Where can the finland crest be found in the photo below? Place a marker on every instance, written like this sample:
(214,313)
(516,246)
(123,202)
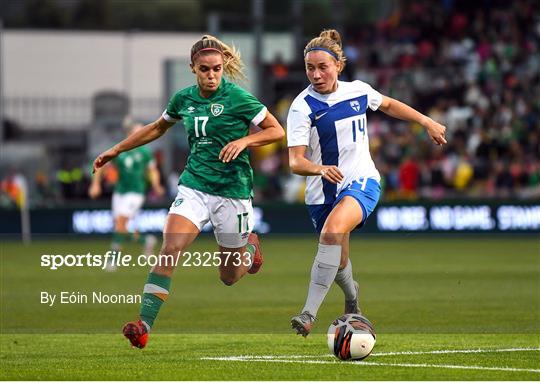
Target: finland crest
(355,105)
(216,109)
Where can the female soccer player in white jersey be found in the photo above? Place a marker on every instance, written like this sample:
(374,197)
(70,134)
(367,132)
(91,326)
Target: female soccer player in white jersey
(216,184)
(328,142)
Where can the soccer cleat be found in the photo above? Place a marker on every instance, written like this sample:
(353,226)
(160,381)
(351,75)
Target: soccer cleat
(303,323)
(258,259)
(136,333)
(352,307)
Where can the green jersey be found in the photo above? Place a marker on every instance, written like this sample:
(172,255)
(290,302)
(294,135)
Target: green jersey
(210,124)
(132,167)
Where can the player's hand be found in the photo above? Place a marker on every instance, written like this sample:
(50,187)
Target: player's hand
(232,150)
(436,131)
(95,190)
(331,174)
(103,158)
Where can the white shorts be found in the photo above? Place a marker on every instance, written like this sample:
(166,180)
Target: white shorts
(232,218)
(127,205)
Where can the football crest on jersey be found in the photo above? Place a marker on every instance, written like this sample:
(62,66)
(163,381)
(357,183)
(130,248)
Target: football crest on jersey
(355,105)
(216,109)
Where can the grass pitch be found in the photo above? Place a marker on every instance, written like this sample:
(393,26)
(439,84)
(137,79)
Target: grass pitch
(443,309)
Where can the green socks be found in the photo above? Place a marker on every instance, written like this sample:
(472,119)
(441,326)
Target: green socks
(156,291)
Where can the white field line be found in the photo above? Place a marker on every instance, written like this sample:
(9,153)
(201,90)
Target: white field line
(295,359)
(451,366)
(472,351)
(364,363)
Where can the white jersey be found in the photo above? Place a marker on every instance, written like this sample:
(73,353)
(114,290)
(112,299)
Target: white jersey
(334,128)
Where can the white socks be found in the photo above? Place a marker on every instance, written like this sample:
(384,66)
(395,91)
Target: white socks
(345,280)
(323,273)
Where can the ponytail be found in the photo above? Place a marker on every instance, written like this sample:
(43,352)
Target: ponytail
(330,41)
(233,67)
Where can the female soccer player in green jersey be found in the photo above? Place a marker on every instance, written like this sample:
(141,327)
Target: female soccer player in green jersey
(216,184)
(133,167)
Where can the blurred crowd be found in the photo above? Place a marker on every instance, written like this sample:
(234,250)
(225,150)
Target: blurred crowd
(474,68)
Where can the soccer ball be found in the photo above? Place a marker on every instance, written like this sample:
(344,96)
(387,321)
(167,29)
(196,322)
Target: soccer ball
(351,337)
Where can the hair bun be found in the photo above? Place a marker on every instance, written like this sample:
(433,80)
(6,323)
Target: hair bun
(331,34)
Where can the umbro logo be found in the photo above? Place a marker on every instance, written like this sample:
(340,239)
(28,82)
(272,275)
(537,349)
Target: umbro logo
(147,302)
(190,109)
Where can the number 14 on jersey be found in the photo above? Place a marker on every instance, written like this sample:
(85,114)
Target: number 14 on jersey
(359,124)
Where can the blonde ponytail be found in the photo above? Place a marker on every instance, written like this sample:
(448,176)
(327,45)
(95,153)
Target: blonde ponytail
(233,67)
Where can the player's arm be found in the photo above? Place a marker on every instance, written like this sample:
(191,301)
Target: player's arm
(94,190)
(271,131)
(146,134)
(155,179)
(300,165)
(398,109)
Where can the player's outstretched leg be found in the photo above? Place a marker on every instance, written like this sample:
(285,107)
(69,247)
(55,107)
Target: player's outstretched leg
(345,216)
(323,273)
(179,232)
(156,291)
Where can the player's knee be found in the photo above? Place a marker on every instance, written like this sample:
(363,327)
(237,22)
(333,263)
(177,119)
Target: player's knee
(120,224)
(330,235)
